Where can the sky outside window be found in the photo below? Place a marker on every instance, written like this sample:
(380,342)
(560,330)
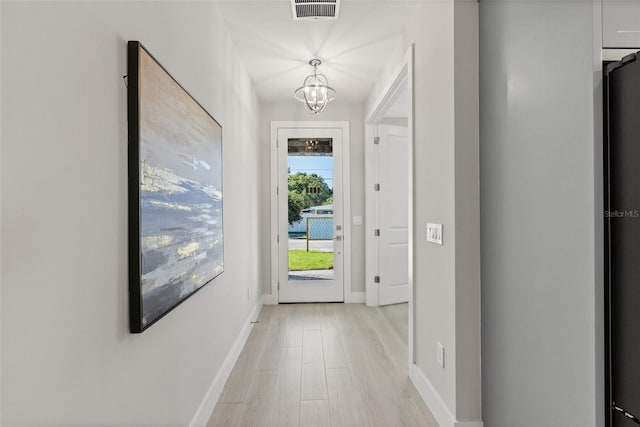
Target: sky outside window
(320,165)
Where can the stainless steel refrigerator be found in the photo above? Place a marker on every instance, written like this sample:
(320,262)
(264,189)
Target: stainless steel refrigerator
(622,240)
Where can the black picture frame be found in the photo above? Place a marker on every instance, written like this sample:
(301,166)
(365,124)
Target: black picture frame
(176,235)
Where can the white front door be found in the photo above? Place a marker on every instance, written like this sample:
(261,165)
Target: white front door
(310,215)
(392,159)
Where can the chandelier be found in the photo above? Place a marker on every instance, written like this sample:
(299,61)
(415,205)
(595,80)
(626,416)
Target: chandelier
(315,92)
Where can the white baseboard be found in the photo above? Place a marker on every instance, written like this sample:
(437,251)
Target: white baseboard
(202,415)
(355,297)
(469,424)
(435,403)
(269,299)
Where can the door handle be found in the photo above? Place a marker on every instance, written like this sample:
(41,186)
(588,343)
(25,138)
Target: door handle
(337,238)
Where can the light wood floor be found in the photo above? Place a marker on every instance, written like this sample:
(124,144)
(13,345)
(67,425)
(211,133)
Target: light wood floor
(324,365)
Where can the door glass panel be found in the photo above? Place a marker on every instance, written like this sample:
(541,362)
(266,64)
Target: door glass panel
(310,203)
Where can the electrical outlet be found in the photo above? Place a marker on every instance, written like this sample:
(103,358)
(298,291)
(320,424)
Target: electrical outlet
(440,355)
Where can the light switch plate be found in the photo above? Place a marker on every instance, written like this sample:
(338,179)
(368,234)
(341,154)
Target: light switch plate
(434,233)
(357,220)
(440,355)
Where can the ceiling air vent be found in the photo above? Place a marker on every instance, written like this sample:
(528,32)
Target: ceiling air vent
(315,9)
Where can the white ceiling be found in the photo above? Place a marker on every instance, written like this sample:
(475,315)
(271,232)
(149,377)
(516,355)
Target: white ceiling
(276,49)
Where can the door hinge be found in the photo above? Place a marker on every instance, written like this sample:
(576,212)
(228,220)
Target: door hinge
(277,191)
(376,232)
(376,187)
(376,140)
(278,285)
(376,279)
(278,238)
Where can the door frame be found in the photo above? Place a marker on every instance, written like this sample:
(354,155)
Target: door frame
(404,74)
(346,198)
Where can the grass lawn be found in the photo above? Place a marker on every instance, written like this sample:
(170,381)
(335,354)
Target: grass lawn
(301,260)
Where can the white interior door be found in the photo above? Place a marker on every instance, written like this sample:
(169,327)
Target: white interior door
(311,252)
(392,159)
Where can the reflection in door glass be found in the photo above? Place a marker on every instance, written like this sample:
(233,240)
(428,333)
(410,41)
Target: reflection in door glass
(310,162)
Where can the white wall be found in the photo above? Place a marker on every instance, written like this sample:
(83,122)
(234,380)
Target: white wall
(447,277)
(467,213)
(67,356)
(1,174)
(294,111)
(540,177)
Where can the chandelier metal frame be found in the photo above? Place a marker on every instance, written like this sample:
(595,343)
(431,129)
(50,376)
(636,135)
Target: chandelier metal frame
(315,92)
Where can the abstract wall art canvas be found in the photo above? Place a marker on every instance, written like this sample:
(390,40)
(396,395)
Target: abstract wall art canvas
(175,192)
